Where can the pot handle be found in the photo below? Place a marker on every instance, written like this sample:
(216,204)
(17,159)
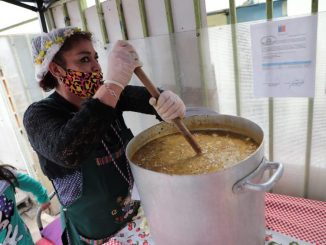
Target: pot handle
(246,182)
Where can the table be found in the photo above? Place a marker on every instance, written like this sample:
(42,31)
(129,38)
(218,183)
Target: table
(289,220)
(300,218)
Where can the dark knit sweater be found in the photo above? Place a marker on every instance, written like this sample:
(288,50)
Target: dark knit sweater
(63,136)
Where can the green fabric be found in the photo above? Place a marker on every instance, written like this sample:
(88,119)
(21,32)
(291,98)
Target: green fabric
(18,231)
(26,183)
(101,211)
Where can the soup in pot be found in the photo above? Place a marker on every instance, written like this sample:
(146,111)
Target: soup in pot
(172,154)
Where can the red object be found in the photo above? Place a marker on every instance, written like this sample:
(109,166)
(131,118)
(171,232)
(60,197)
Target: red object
(303,219)
(44,241)
(52,232)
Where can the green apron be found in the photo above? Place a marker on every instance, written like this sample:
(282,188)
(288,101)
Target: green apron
(105,205)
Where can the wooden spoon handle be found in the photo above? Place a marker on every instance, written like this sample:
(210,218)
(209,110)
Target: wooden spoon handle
(188,136)
(177,121)
(147,83)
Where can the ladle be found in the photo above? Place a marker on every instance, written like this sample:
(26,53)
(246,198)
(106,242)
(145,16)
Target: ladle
(177,121)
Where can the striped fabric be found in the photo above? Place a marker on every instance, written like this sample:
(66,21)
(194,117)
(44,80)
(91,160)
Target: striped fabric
(96,242)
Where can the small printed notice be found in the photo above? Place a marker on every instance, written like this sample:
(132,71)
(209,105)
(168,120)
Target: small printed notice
(284,57)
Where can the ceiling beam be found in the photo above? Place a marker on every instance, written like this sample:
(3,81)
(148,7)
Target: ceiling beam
(23,5)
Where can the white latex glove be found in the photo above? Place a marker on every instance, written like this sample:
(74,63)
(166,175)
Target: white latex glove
(169,106)
(122,61)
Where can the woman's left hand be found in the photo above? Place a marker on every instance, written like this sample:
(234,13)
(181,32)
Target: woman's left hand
(169,106)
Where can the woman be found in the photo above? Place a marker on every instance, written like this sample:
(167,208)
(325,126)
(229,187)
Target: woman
(79,133)
(13,230)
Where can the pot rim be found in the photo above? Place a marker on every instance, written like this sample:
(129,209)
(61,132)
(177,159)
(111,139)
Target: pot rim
(186,122)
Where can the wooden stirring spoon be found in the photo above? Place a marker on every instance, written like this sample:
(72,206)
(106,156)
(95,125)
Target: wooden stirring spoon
(177,121)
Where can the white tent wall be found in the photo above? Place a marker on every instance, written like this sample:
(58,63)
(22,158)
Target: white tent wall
(91,13)
(156,17)
(112,21)
(57,13)
(9,147)
(14,98)
(18,89)
(133,18)
(75,19)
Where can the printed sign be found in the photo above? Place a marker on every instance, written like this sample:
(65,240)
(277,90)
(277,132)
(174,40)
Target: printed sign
(284,57)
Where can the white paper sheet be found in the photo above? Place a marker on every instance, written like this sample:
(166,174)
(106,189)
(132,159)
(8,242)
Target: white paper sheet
(284,57)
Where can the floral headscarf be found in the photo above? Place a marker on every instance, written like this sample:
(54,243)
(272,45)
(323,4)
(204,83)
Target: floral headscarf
(46,46)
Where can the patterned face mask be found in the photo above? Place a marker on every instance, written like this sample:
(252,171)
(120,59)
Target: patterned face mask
(82,84)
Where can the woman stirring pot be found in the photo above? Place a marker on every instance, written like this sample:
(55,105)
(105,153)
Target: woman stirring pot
(79,134)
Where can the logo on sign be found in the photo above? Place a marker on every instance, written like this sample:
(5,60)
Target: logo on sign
(281,28)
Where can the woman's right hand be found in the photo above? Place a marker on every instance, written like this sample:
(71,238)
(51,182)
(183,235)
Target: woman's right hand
(122,61)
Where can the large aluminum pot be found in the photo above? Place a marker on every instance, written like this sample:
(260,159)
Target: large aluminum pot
(225,207)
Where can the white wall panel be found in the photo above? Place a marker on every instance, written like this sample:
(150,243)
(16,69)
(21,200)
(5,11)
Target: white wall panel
(93,23)
(160,57)
(189,67)
(58,16)
(183,13)
(187,51)
(112,22)
(74,14)
(156,17)
(9,148)
(10,151)
(133,19)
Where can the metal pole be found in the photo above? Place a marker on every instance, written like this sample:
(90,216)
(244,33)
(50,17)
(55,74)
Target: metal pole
(142,10)
(100,15)
(81,7)
(41,15)
(66,14)
(314,6)
(269,9)
(122,20)
(26,6)
(314,9)
(170,23)
(198,19)
(233,18)
(169,15)
(269,15)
